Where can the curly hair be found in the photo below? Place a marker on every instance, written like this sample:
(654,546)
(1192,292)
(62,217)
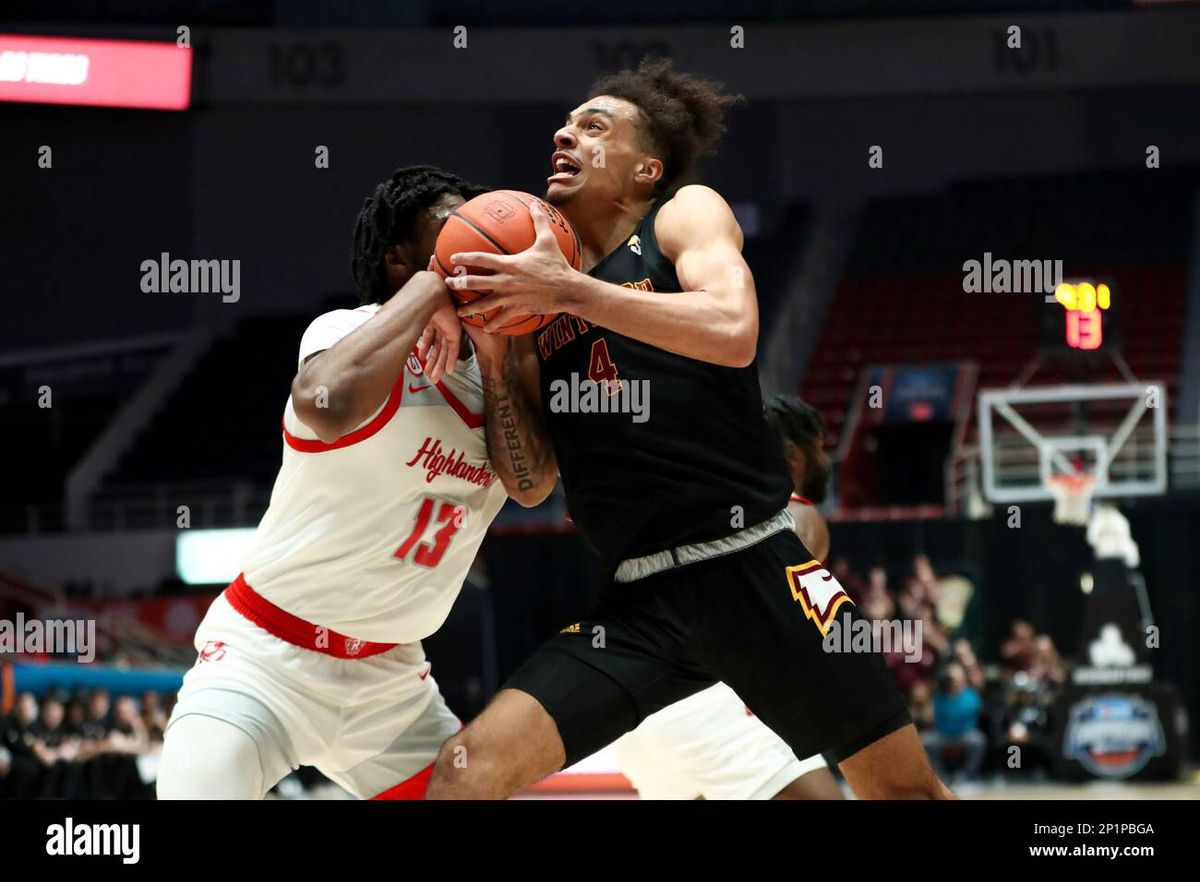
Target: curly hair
(684,114)
(389,217)
(795,420)
(798,422)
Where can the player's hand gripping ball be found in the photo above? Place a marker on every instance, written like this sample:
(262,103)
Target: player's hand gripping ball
(499,222)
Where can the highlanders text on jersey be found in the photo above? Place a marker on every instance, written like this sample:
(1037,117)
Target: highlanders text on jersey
(373,534)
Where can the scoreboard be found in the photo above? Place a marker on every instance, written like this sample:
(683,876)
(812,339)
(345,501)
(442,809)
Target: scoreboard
(1079,318)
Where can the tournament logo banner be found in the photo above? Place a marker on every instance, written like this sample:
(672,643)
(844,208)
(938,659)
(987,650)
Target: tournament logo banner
(1114,735)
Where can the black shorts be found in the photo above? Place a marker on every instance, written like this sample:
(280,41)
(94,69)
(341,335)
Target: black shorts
(755,619)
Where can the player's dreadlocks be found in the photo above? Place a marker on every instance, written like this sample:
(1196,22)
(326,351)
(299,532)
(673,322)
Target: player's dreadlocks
(388,217)
(684,114)
(799,423)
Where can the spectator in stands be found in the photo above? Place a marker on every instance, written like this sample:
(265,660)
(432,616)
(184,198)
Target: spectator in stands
(1017,651)
(76,715)
(956,708)
(965,656)
(110,749)
(97,724)
(877,603)
(54,748)
(924,581)
(128,733)
(154,717)
(1047,666)
(23,769)
(1031,658)
(920,705)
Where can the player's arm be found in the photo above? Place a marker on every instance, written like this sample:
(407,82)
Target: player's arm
(714,319)
(811,529)
(340,387)
(518,446)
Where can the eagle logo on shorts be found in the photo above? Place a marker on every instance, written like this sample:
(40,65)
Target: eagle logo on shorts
(818,592)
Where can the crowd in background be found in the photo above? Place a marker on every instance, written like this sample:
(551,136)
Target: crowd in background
(82,745)
(970,714)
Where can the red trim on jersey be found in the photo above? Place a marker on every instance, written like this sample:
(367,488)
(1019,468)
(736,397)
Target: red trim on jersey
(295,630)
(411,788)
(305,445)
(473,420)
(798,498)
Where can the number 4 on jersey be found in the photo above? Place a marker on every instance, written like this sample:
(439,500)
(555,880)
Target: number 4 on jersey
(601,368)
(429,554)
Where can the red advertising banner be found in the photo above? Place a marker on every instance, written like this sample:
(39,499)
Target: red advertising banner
(101,73)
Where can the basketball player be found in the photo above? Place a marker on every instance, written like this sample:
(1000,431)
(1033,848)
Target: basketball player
(313,656)
(709,746)
(688,508)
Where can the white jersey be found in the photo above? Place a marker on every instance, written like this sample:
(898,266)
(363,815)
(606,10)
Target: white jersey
(372,535)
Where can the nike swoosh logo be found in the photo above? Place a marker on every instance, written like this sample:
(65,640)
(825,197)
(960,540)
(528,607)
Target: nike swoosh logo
(425,673)
(412,388)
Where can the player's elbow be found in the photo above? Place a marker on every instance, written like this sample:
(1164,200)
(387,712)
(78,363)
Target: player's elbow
(740,346)
(314,406)
(531,495)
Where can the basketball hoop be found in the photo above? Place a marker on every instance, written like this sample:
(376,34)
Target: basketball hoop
(1072,498)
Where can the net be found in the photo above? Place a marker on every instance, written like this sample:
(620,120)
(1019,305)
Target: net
(1072,498)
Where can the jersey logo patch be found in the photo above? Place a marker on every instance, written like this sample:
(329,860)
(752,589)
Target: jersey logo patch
(635,244)
(214,650)
(815,588)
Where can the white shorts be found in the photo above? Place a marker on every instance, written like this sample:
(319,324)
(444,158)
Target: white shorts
(708,745)
(373,725)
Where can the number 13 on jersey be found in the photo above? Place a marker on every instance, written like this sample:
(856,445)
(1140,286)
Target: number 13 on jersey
(450,516)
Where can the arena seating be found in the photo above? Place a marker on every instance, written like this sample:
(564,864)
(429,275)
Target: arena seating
(902,298)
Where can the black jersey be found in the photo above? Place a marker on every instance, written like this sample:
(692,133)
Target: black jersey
(699,464)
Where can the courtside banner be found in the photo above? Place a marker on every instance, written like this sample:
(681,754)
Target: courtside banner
(99,73)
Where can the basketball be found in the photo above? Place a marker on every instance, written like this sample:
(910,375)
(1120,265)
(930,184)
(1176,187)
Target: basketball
(499,222)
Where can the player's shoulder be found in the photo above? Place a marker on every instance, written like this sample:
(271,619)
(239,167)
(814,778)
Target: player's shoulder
(345,316)
(689,199)
(329,327)
(693,210)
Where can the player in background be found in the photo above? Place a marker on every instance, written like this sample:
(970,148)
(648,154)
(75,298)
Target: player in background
(710,746)
(313,655)
(686,508)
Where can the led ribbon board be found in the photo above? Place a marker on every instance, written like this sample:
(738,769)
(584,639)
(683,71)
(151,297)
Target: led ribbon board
(99,73)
